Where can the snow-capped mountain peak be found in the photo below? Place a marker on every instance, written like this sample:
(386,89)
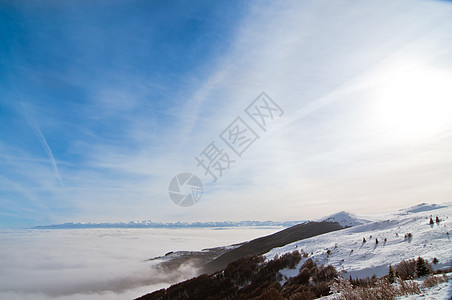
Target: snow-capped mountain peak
(420,208)
(345,219)
(368,249)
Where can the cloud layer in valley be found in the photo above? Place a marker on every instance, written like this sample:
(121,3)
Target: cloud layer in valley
(100,263)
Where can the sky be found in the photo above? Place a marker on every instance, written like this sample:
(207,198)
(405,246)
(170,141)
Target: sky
(103,103)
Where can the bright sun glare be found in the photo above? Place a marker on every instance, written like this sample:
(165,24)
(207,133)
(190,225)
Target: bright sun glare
(416,103)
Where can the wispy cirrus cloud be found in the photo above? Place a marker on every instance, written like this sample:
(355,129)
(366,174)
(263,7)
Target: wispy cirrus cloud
(47,149)
(121,120)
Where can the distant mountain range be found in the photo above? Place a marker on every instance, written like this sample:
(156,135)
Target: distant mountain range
(344,218)
(150,224)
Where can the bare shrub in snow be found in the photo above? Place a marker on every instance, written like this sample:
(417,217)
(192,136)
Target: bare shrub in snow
(408,287)
(431,281)
(343,290)
(304,295)
(406,269)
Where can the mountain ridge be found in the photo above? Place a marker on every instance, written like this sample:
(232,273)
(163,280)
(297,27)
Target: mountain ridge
(150,224)
(358,251)
(345,219)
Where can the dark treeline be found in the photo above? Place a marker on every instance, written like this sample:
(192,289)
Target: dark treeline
(253,278)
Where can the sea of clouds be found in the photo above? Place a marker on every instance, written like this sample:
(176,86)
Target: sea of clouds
(100,263)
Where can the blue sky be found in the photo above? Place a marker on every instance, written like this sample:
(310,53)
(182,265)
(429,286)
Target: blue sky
(102,103)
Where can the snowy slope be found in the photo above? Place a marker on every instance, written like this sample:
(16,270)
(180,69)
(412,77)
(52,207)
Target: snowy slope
(351,256)
(441,291)
(421,208)
(345,219)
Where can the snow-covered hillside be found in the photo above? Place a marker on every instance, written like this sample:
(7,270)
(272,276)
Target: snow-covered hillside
(345,219)
(421,208)
(347,252)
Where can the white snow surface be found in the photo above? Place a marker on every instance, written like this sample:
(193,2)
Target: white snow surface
(421,208)
(442,291)
(350,256)
(345,219)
